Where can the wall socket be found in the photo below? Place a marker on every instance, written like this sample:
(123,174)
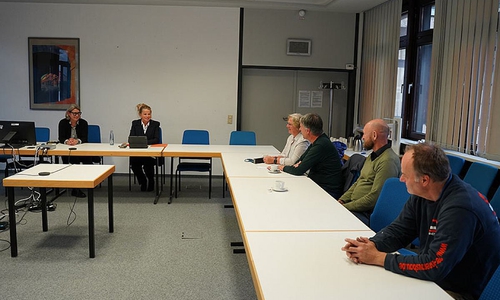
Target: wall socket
(229,119)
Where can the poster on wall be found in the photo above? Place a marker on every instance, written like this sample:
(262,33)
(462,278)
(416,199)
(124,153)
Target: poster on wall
(54,70)
(317,99)
(304,98)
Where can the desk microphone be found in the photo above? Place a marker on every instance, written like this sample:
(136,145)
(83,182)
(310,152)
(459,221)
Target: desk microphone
(44,173)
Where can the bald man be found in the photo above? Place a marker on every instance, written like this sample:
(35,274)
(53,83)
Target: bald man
(381,164)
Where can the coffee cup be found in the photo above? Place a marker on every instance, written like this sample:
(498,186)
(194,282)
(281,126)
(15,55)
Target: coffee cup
(273,168)
(279,185)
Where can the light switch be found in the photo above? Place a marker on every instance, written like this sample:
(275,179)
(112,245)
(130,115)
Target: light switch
(229,119)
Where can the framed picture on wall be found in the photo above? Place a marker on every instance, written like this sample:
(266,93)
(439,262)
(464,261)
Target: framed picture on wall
(54,71)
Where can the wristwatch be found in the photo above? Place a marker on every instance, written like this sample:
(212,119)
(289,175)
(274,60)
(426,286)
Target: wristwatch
(275,160)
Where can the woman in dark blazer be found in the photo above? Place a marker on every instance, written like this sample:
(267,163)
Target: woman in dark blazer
(143,167)
(73,130)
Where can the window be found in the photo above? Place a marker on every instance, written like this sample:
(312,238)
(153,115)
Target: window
(417,24)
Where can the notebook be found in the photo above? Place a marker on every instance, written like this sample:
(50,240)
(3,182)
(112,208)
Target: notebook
(140,141)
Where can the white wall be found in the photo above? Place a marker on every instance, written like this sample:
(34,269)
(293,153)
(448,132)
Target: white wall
(182,61)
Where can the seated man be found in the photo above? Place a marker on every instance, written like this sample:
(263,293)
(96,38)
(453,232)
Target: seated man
(381,164)
(459,232)
(321,159)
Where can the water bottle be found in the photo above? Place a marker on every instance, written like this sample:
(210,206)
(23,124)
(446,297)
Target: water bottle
(111,138)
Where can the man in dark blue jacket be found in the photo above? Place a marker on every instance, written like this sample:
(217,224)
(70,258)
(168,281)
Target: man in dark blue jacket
(459,232)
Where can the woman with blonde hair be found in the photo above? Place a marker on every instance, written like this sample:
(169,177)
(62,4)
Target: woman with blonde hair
(143,167)
(295,145)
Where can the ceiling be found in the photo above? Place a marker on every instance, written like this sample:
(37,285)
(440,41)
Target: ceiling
(346,6)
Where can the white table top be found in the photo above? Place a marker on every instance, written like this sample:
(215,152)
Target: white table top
(304,207)
(61,175)
(235,166)
(310,265)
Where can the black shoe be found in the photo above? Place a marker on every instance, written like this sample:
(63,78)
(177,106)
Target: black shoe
(78,193)
(51,206)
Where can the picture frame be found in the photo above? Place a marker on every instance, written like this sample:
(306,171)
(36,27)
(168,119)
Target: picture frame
(54,72)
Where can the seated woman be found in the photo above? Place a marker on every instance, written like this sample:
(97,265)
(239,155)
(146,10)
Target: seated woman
(295,145)
(143,167)
(73,130)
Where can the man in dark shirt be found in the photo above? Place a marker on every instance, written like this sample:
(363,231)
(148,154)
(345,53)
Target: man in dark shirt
(321,159)
(458,231)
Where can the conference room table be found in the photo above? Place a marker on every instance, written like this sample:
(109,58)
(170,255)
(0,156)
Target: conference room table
(45,176)
(103,149)
(310,265)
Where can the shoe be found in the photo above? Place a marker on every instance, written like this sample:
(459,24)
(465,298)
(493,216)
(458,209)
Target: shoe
(78,193)
(51,206)
(143,187)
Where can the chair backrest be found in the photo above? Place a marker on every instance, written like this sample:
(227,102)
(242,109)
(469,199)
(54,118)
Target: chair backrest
(42,134)
(160,140)
(492,289)
(495,202)
(243,138)
(456,163)
(389,204)
(481,176)
(94,134)
(351,169)
(196,137)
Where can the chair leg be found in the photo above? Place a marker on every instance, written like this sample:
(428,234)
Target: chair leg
(176,174)
(210,184)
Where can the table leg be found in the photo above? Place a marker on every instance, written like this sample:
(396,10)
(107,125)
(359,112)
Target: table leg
(157,185)
(90,193)
(110,203)
(171,179)
(43,196)
(12,222)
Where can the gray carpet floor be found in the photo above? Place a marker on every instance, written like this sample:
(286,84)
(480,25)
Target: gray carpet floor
(177,251)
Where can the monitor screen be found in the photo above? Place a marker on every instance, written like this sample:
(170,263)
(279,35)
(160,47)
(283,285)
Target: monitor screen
(17,133)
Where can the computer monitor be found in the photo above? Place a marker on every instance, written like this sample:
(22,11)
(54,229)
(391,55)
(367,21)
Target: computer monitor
(17,133)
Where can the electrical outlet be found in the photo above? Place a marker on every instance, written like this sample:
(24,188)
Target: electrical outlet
(229,119)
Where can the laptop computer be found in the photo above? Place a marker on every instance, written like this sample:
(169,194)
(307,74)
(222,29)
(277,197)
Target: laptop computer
(135,142)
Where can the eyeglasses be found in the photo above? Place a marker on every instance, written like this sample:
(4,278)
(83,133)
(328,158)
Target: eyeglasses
(75,113)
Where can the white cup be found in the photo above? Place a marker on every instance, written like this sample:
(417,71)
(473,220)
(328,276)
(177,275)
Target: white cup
(273,168)
(279,185)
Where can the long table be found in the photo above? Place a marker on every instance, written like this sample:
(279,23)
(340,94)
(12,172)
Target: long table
(310,265)
(63,176)
(102,149)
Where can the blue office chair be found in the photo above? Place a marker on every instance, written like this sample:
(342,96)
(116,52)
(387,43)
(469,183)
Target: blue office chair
(161,163)
(243,138)
(492,289)
(94,136)
(456,163)
(42,134)
(390,202)
(193,164)
(495,202)
(481,176)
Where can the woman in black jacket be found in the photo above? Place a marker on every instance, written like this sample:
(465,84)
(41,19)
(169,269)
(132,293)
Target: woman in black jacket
(143,167)
(73,130)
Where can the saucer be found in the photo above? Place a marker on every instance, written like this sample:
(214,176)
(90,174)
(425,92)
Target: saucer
(280,190)
(274,172)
